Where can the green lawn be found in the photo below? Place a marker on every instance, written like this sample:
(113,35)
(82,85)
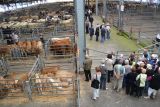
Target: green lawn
(123,42)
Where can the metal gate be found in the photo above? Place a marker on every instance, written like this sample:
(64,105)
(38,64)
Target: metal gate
(13,80)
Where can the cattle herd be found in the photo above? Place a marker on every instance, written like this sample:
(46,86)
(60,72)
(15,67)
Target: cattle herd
(47,79)
(29,47)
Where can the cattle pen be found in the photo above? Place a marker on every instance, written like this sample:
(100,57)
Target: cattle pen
(42,81)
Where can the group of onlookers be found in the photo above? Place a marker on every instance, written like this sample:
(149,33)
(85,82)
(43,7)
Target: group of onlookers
(103,29)
(137,75)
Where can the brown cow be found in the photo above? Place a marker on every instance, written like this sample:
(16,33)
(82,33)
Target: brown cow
(50,70)
(61,45)
(4,51)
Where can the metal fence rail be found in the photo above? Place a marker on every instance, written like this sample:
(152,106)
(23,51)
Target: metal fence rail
(37,67)
(62,30)
(13,82)
(50,87)
(60,51)
(3,67)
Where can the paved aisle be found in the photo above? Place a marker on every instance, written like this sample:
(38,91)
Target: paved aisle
(109,98)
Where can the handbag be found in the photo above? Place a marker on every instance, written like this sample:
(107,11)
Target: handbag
(137,82)
(95,83)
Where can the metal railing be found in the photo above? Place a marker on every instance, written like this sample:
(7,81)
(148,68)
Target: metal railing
(3,67)
(37,67)
(63,30)
(78,92)
(13,83)
(60,51)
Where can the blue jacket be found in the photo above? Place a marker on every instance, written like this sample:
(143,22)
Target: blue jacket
(91,31)
(103,31)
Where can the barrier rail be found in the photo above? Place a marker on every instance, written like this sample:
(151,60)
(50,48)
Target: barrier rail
(62,30)
(12,84)
(37,67)
(58,51)
(3,67)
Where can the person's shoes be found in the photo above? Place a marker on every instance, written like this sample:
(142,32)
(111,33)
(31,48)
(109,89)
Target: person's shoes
(93,99)
(146,97)
(153,97)
(87,80)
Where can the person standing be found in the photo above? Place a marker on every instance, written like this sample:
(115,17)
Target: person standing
(154,85)
(130,81)
(89,13)
(91,32)
(97,76)
(103,32)
(87,67)
(108,28)
(9,39)
(87,26)
(127,70)
(109,65)
(103,75)
(97,32)
(15,38)
(91,20)
(119,72)
(143,77)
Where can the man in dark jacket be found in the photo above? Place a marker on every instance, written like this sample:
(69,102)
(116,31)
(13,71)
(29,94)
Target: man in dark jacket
(87,26)
(91,32)
(103,32)
(91,20)
(97,32)
(130,80)
(154,85)
(87,67)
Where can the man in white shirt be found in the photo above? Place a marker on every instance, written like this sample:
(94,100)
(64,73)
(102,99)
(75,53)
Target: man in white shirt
(108,31)
(15,38)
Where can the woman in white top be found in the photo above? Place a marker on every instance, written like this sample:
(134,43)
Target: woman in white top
(97,76)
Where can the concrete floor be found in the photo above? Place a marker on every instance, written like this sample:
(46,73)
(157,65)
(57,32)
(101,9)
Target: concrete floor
(108,98)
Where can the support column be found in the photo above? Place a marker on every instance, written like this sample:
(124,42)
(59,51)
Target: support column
(104,9)
(79,8)
(97,7)
(1,34)
(120,15)
(92,3)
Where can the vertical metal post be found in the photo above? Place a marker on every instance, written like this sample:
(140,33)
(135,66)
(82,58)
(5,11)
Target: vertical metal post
(79,6)
(28,90)
(97,7)
(1,33)
(139,37)
(88,3)
(120,15)
(104,9)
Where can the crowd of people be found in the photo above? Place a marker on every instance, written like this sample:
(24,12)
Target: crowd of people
(102,30)
(136,76)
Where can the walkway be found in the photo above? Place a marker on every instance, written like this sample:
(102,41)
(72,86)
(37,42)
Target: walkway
(109,98)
